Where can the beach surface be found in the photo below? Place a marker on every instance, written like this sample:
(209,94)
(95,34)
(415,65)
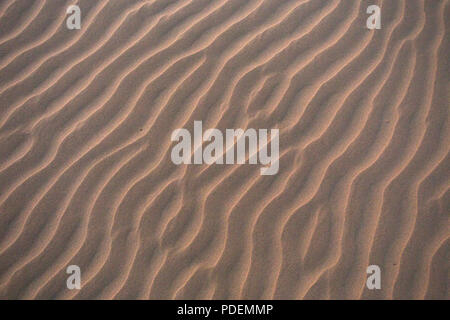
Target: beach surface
(86,176)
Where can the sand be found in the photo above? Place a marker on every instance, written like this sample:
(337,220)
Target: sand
(86,176)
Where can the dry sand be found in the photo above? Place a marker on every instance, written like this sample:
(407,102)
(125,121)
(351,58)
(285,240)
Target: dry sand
(86,176)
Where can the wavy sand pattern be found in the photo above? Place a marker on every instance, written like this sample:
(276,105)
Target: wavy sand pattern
(86,176)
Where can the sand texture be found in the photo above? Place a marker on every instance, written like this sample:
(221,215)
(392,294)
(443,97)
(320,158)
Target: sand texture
(86,176)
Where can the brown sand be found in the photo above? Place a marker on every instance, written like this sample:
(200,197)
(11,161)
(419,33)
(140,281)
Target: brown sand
(86,176)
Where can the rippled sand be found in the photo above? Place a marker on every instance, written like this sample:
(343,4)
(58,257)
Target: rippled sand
(86,176)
